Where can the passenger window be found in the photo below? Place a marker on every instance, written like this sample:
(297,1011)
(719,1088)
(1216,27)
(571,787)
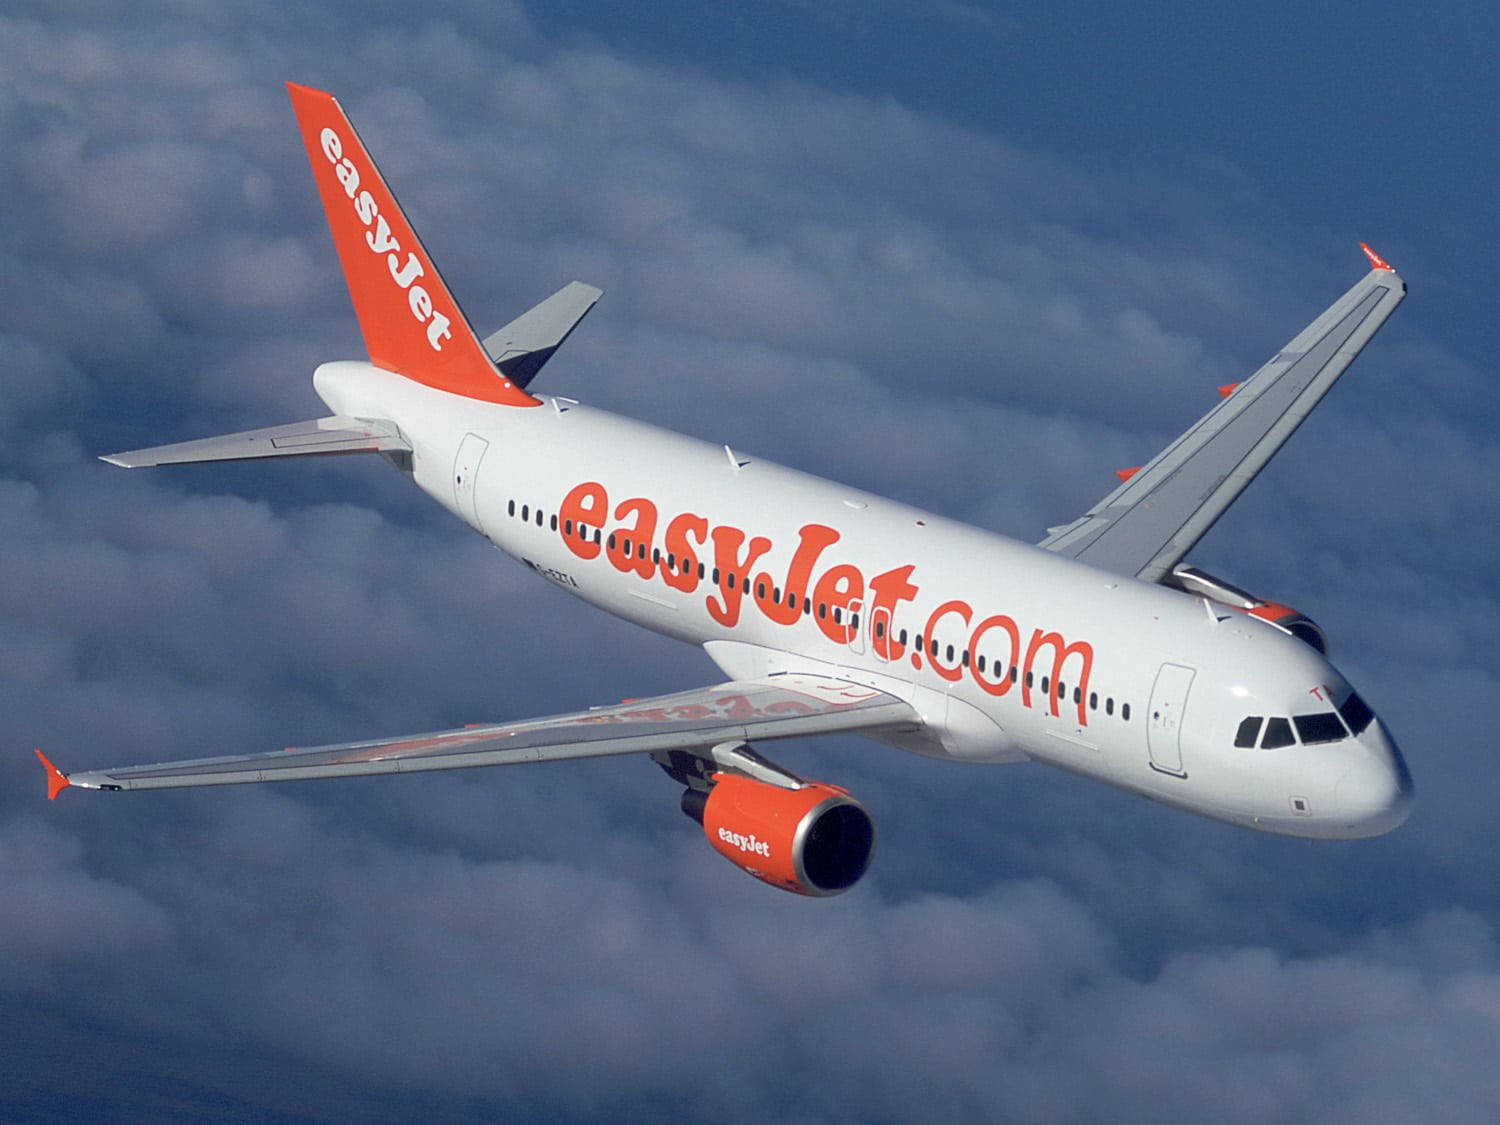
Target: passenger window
(880,628)
(1125,711)
(552,523)
(776,594)
(901,638)
(611,540)
(1077,695)
(539,517)
(838,614)
(854,622)
(567,527)
(1249,731)
(932,646)
(1093,701)
(730,580)
(701,567)
(1322,727)
(1109,706)
(760,589)
(1278,734)
(1014,673)
(1044,685)
(965,660)
(640,552)
(1028,679)
(822,611)
(525,512)
(510,509)
(981,663)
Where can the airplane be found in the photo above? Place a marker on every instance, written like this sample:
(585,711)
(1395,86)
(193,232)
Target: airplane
(1098,650)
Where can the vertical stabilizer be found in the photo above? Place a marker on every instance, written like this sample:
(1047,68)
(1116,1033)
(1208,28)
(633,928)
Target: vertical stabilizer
(410,321)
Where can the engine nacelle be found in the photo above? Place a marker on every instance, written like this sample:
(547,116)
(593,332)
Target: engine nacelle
(814,840)
(1284,617)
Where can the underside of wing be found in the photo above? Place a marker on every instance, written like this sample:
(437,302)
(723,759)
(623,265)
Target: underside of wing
(1144,528)
(315,438)
(781,706)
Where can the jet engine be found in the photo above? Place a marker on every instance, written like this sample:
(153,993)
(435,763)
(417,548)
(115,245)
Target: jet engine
(1284,617)
(814,839)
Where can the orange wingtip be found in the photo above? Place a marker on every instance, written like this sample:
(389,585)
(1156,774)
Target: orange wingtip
(1376,261)
(56,782)
(1228,389)
(1126,474)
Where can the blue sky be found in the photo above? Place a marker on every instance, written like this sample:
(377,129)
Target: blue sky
(976,259)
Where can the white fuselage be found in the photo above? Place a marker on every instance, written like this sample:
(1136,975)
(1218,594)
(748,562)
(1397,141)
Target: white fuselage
(1008,652)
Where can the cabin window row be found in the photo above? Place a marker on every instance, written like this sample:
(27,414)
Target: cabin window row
(624,544)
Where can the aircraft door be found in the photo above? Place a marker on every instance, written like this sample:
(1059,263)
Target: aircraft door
(880,633)
(858,627)
(1164,723)
(471,452)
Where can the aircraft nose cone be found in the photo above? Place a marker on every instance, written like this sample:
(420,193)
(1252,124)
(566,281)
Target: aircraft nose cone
(1375,796)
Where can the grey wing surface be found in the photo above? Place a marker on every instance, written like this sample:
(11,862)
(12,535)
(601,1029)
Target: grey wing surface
(1143,528)
(315,438)
(781,706)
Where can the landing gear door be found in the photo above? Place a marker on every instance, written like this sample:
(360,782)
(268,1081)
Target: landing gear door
(1164,724)
(465,476)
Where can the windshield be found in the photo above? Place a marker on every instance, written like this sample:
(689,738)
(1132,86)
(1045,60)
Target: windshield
(1310,730)
(1356,713)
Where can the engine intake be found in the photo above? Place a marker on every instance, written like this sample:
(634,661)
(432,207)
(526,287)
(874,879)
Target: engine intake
(814,840)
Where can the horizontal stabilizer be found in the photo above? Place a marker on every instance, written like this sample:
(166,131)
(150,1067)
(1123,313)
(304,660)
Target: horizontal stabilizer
(319,437)
(526,343)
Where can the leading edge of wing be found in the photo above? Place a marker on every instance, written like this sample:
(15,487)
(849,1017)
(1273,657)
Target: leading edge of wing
(781,706)
(1145,527)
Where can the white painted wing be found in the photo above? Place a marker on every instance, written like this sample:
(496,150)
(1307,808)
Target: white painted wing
(782,706)
(1144,528)
(318,437)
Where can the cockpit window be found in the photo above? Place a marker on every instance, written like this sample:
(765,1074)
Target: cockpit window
(1322,727)
(1249,731)
(1278,734)
(1356,713)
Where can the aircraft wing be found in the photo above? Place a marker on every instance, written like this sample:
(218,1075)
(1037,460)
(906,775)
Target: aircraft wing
(1144,528)
(781,706)
(318,437)
(526,343)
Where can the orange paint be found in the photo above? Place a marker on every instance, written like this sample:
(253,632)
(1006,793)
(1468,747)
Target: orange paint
(839,589)
(814,539)
(753,825)
(1061,650)
(56,780)
(725,609)
(681,532)
(629,548)
(584,508)
(410,322)
(950,672)
(998,687)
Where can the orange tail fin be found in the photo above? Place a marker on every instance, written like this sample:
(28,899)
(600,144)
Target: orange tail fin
(410,321)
